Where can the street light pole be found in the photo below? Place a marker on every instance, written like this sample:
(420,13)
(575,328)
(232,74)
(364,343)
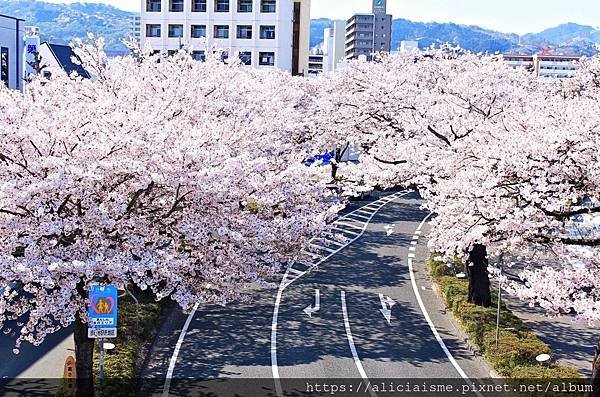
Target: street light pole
(101,375)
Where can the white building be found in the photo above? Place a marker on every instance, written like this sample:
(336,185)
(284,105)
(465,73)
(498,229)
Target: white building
(12,33)
(334,40)
(317,62)
(556,66)
(409,46)
(262,33)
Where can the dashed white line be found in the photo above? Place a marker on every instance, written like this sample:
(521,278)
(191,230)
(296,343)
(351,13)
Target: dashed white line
(436,334)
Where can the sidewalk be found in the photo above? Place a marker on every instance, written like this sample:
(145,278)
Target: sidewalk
(572,341)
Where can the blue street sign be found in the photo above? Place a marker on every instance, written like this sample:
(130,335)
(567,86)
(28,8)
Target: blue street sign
(102,311)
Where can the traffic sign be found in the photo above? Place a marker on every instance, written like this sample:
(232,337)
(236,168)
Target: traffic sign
(102,311)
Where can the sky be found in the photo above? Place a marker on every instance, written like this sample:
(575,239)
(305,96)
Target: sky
(509,16)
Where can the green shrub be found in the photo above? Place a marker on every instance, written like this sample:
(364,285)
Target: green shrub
(517,346)
(514,349)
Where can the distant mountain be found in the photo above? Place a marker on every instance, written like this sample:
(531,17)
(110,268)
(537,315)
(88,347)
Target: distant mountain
(567,34)
(60,23)
(316,30)
(569,39)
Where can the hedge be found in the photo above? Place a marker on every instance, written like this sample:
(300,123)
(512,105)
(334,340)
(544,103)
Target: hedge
(517,345)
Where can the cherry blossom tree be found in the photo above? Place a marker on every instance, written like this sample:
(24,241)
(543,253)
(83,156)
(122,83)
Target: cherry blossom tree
(507,162)
(416,114)
(181,177)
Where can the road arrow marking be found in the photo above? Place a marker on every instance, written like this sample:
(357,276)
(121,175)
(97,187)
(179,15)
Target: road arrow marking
(389,229)
(310,309)
(386,307)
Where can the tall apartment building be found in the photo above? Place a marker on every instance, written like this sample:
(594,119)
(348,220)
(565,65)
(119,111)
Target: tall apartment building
(12,33)
(369,33)
(136,28)
(556,66)
(262,33)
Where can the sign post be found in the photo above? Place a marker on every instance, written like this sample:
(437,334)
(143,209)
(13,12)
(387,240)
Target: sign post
(102,313)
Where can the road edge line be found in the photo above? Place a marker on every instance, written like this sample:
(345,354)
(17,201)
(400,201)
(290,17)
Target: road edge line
(173,360)
(436,334)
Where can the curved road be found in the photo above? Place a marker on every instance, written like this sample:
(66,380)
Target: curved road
(346,336)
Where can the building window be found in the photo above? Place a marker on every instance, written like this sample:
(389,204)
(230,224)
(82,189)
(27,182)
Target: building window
(244,5)
(267,32)
(175,30)
(244,32)
(199,55)
(153,6)
(266,59)
(222,55)
(4,62)
(152,30)
(198,31)
(268,5)
(221,5)
(246,57)
(176,6)
(221,31)
(198,5)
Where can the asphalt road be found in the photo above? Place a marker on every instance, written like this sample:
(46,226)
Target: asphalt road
(346,338)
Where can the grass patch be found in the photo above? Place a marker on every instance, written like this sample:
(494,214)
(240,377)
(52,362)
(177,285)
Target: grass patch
(517,345)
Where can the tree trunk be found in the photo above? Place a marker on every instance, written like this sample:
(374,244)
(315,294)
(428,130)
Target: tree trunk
(479,281)
(84,355)
(595,382)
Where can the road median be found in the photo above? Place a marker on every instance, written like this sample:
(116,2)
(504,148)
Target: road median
(514,355)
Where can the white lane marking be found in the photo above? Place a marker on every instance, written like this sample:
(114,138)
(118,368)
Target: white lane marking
(332,242)
(364,212)
(283,285)
(415,237)
(358,218)
(310,309)
(436,334)
(413,243)
(297,272)
(359,366)
(418,232)
(173,361)
(349,225)
(387,304)
(345,231)
(412,248)
(322,248)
